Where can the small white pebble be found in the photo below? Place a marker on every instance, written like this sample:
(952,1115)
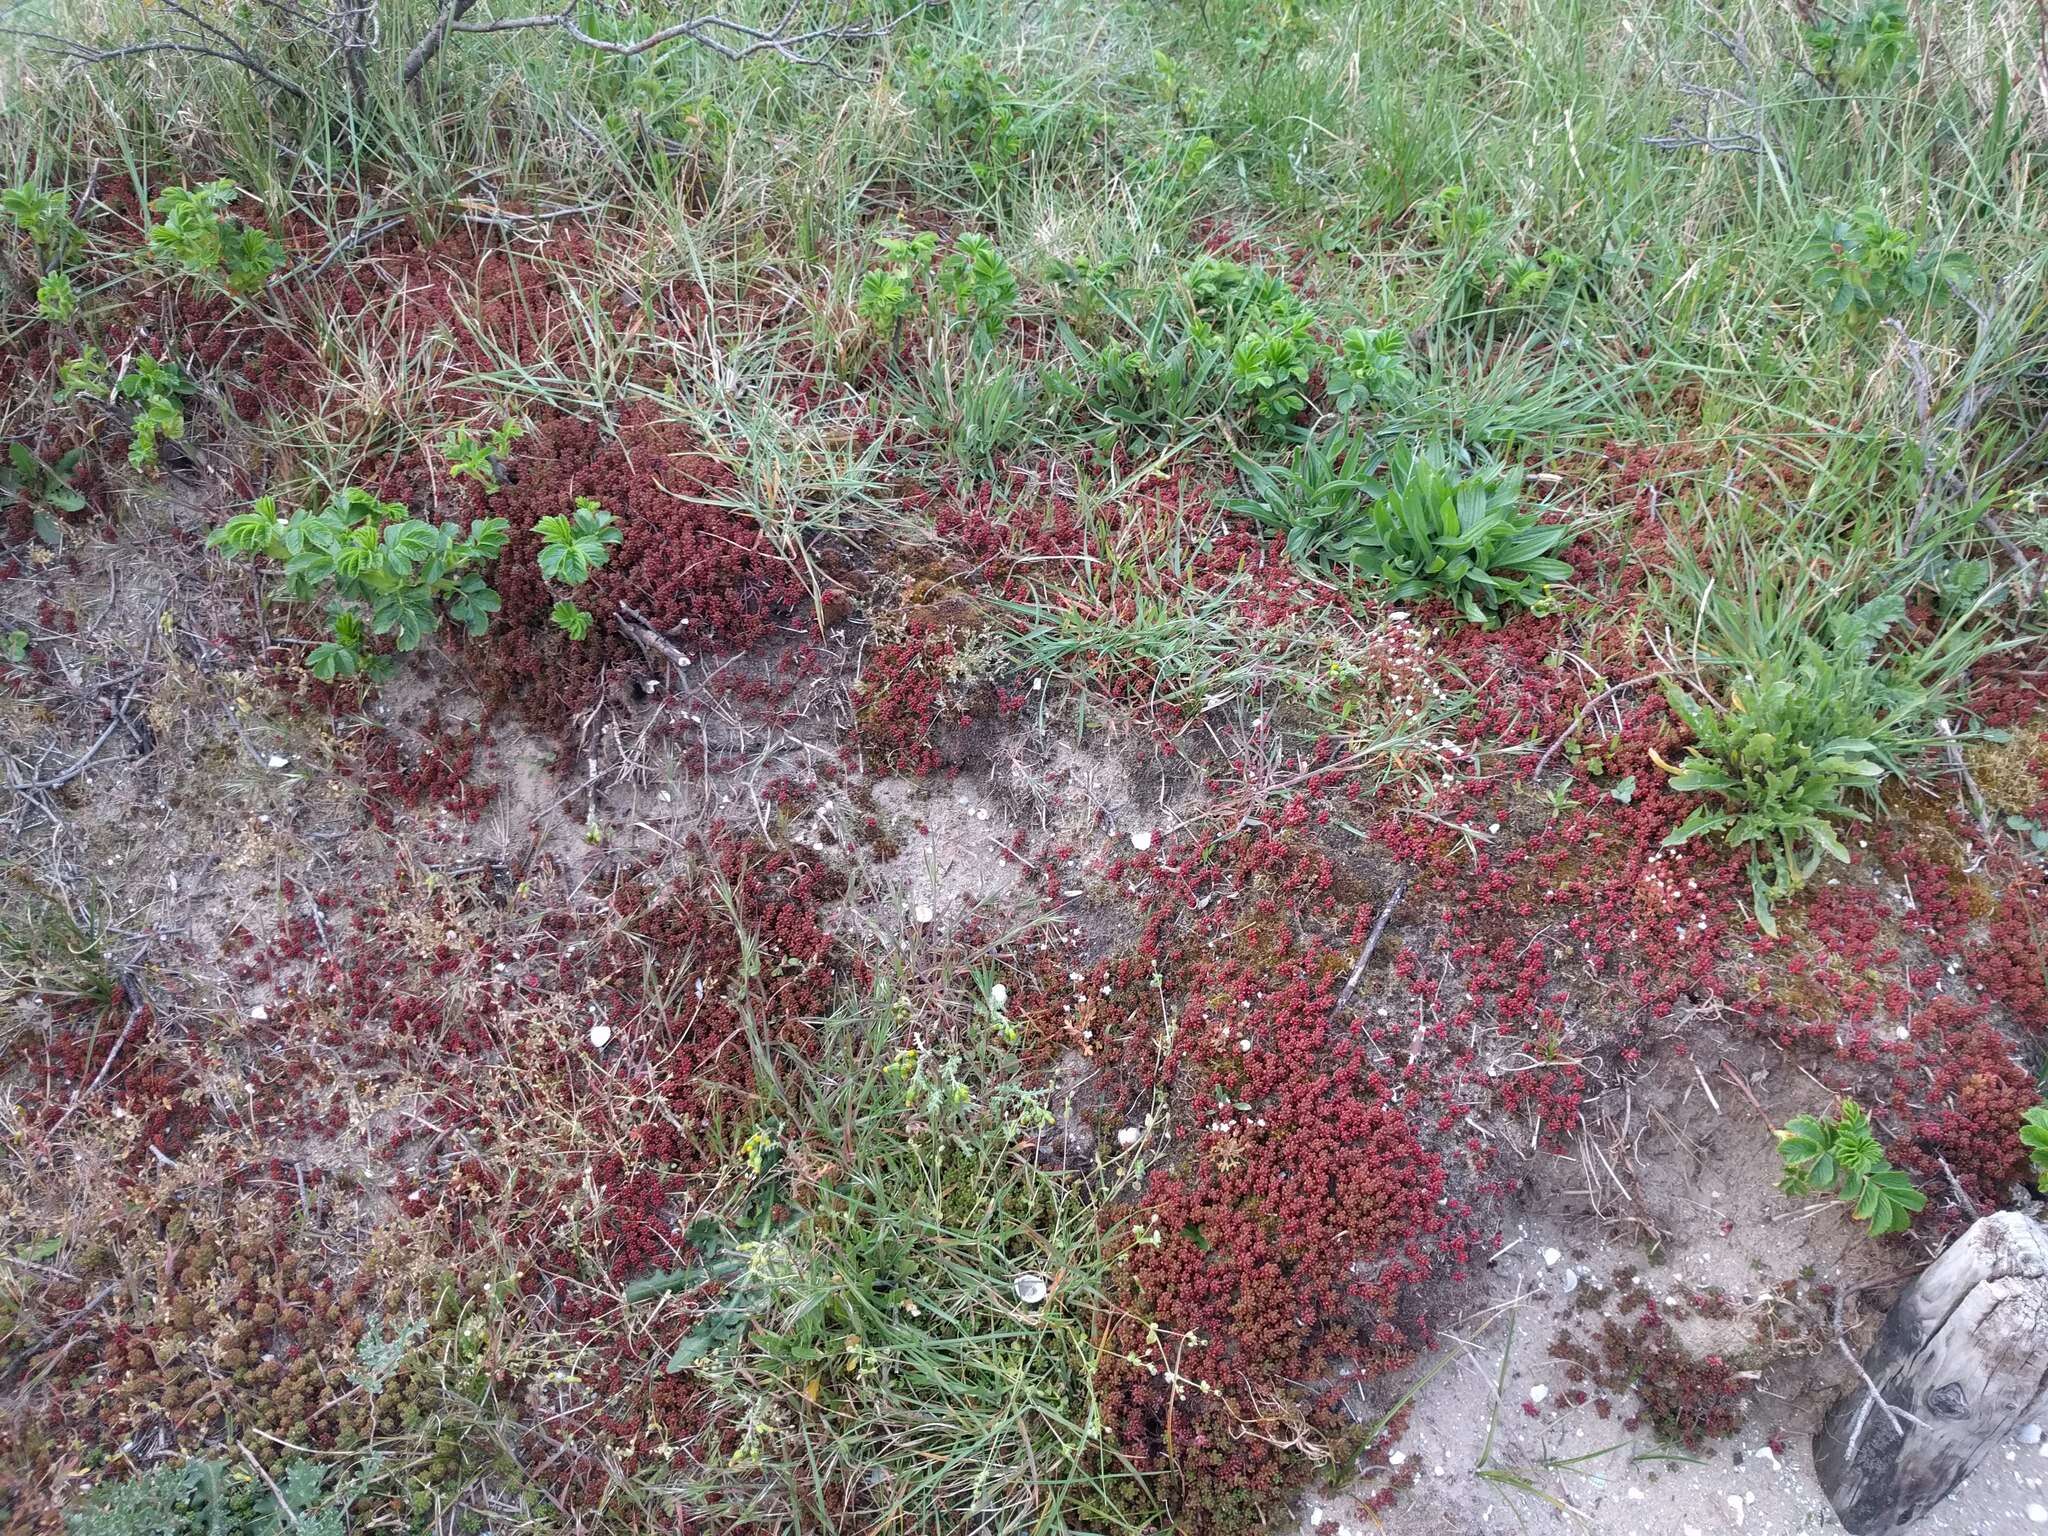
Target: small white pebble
(276,761)
(259,1013)
(922,912)
(2038,1513)
(1538,1392)
(1127,1137)
(600,1036)
(2028,1434)
(1141,841)
(1551,1256)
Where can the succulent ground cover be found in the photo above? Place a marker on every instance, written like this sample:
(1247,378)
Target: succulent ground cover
(920,781)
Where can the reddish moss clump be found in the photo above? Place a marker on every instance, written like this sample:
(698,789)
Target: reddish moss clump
(1280,1258)
(901,699)
(1687,1399)
(1283,1256)
(1978,1099)
(2012,964)
(434,770)
(689,569)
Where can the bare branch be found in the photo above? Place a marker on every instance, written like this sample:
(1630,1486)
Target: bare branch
(351,32)
(722,35)
(1684,135)
(431,40)
(86,53)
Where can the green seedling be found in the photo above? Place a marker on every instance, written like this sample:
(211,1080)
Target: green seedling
(1840,1156)
(194,233)
(482,459)
(45,489)
(379,570)
(573,546)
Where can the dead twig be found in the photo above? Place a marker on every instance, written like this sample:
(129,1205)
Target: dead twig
(641,631)
(1872,1397)
(77,766)
(1955,1186)
(1579,719)
(134,1016)
(1728,1071)
(728,38)
(85,53)
(1953,749)
(1372,942)
(276,1492)
(1713,99)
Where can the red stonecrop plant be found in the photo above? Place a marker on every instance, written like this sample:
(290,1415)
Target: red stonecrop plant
(1976,1104)
(1284,1254)
(1280,1257)
(901,699)
(1686,1398)
(2012,963)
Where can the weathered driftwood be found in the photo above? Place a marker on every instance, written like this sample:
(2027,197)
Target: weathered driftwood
(1958,1362)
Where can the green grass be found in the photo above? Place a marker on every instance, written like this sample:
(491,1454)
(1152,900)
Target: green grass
(54,944)
(907,1333)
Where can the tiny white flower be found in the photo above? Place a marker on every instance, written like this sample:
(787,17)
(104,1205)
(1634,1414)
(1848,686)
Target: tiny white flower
(998,997)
